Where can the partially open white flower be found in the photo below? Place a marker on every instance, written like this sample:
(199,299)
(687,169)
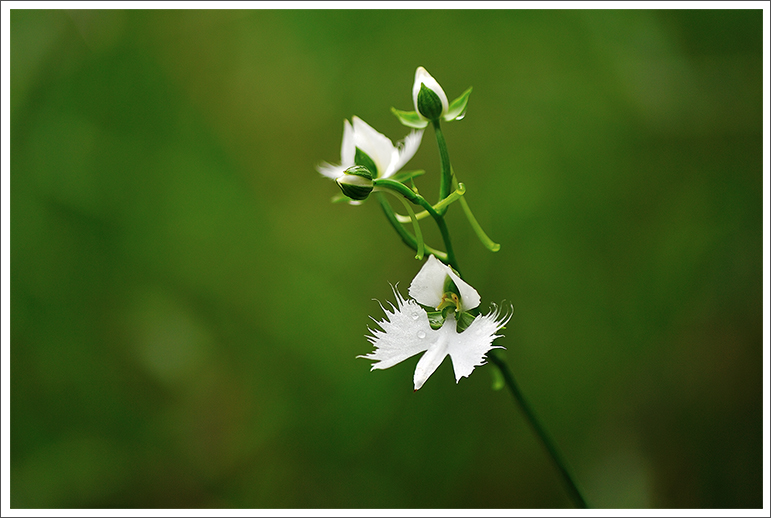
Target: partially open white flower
(428,286)
(364,146)
(406,331)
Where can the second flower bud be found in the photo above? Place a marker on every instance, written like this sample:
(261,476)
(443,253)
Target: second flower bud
(356,182)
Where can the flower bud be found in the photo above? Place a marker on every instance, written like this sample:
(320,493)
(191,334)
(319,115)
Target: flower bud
(427,95)
(429,104)
(356,182)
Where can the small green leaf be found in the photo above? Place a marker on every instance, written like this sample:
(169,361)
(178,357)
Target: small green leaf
(410,119)
(457,108)
(403,176)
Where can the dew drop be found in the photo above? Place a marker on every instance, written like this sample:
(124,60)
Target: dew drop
(415,315)
(421,334)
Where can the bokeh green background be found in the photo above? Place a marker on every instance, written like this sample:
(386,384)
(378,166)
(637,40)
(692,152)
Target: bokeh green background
(187,304)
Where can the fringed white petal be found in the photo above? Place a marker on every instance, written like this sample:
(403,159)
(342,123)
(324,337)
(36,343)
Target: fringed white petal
(468,349)
(330,170)
(405,150)
(404,333)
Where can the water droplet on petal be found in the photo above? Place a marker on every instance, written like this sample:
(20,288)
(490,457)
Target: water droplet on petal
(421,334)
(415,315)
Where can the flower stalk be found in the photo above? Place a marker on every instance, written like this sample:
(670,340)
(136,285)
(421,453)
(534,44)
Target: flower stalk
(441,318)
(446,178)
(548,443)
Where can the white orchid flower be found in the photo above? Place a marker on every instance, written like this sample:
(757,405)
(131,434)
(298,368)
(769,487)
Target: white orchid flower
(364,146)
(406,330)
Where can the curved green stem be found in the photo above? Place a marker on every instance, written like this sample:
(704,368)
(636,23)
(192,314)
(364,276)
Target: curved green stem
(417,199)
(407,238)
(423,214)
(445,181)
(540,431)
(489,243)
(459,191)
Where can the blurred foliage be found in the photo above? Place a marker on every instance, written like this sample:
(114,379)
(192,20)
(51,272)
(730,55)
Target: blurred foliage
(186,304)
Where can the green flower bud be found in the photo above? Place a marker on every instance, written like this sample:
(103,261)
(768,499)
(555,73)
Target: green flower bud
(356,182)
(429,104)
(428,97)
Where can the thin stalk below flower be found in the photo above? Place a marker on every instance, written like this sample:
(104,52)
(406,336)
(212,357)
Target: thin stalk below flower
(445,181)
(540,431)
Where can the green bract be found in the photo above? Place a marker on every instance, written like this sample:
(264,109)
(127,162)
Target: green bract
(458,107)
(410,119)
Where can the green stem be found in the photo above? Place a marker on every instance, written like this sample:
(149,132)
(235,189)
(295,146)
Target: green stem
(417,199)
(407,238)
(445,180)
(540,431)
(459,191)
(415,228)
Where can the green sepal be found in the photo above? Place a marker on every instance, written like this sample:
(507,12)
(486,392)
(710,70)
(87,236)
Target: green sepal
(435,319)
(363,159)
(457,108)
(403,176)
(360,170)
(355,192)
(410,119)
(429,104)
